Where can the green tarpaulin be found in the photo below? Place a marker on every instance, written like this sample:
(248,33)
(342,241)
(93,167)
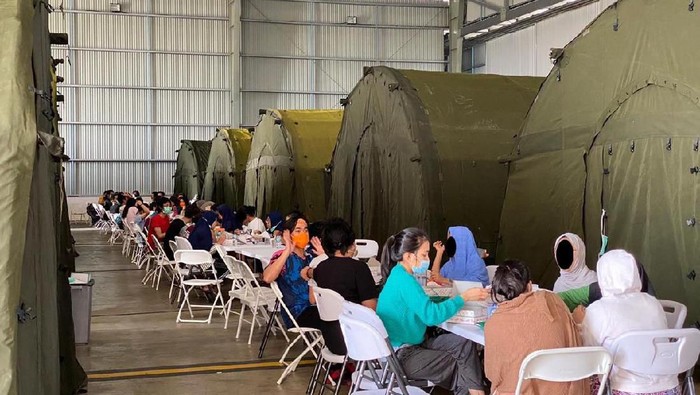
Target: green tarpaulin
(288,157)
(421,149)
(616,126)
(192,159)
(37,350)
(225,171)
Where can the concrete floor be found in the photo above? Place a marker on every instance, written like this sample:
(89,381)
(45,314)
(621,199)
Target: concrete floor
(134,333)
(137,348)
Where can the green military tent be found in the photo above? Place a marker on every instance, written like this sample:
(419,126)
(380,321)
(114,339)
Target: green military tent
(288,158)
(421,149)
(616,126)
(225,171)
(192,159)
(37,348)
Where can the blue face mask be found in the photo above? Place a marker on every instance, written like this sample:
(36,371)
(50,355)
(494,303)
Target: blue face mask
(422,269)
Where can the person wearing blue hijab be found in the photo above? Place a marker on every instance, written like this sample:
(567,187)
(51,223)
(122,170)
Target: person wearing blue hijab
(464,262)
(202,237)
(228,218)
(273,222)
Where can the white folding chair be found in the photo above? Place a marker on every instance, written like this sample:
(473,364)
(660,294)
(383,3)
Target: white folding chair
(178,274)
(661,352)
(183,243)
(251,295)
(491,269)
(565,365)
(233,274)
(203,261)
(365,344)
(311,337)
(330,306)
(162,264)
(366,248)
(368,377)
(675,313)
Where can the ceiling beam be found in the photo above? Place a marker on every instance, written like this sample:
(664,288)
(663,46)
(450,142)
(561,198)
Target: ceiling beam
(513,13)
(485,4)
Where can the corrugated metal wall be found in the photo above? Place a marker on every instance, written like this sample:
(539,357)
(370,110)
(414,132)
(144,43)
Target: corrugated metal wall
(160,71)
(526,52)
(302,54)
(138,82)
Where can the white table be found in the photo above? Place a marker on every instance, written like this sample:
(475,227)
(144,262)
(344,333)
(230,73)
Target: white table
(261,252)
(467,331)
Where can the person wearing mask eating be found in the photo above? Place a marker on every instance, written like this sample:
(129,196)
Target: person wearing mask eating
(286,268)
(448,360)
(160,222)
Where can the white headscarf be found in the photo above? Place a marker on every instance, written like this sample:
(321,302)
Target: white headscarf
(578,274)
(624,308)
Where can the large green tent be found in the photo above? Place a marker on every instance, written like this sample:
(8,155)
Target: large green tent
(37,349)
(224,181)
(192,159)
(421,149)
(288,158)
(616,126)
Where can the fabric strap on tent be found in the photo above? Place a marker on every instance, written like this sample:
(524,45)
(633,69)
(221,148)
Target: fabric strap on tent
(272,161)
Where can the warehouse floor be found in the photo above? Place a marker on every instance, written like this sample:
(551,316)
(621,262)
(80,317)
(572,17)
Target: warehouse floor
(137,348)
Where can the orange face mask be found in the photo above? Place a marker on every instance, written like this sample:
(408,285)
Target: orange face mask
(301,240)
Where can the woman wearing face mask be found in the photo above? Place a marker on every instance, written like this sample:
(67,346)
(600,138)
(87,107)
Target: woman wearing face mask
(161,221)
(464,262)
(286,268)
(448,360)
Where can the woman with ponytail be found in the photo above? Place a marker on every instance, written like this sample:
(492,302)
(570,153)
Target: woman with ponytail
(448,360)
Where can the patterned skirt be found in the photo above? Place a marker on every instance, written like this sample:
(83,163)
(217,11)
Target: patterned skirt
(595,385)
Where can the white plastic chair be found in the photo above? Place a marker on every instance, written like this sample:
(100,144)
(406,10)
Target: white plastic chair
(661,352)
(162,264)
(183,243)
(311,337)
(365,344)
(675,313)
(491,269)
(178,274)
(203,260)
(366,377)
(251,295)
(366,248)
(565,365)
(330,306)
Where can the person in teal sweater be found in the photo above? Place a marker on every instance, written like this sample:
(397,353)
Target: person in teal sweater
(448,360)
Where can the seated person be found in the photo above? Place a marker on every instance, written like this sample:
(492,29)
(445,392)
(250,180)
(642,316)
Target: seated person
(285,268)
(273,223)
(525,322)
(464,264)
(584,296)
(160,221)
(179,228)
(341,273)
(228,218)
(570,254)
(448,360)
(202,236)
(251,223)
(624,308)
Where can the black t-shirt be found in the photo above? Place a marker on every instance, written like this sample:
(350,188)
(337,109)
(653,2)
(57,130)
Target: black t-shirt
(350,278)
(173,230)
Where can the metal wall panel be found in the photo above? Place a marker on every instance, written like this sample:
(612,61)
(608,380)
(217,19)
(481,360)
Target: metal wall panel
(302,54)
(137,84)
(526,52)
(166,139)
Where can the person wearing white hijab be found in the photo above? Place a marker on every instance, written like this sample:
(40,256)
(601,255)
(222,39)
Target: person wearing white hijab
(570,254)
(624,308)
